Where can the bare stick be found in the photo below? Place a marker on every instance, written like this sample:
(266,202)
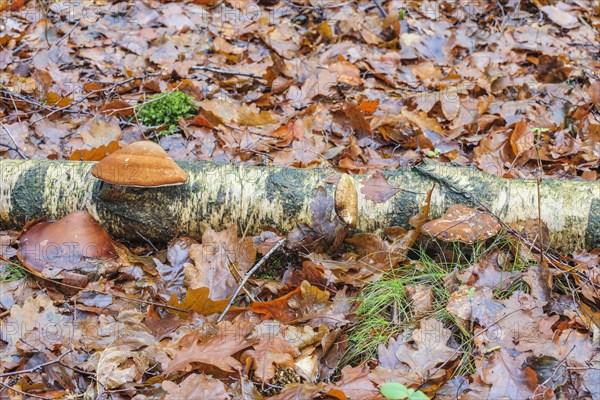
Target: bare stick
(380,7)
(36,368)
(248,275)
(24,393)
(223,72)
(13,140)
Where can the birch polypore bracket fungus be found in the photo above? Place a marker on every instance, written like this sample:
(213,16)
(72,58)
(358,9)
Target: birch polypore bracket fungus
(462,224)
(140,164)
(71,248)
(346,201)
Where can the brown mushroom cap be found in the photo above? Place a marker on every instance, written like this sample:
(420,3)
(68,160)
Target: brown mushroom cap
(66,245)
(462,224)
(140,164)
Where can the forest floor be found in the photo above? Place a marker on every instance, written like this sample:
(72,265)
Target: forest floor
(511,87)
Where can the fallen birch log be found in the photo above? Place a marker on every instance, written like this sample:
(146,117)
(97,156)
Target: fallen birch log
(218,195)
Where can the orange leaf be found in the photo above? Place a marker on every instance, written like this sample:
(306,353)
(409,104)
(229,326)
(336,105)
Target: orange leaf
(200,120)
(198,300)
(91,87)
(96,153)
(217,351)
(369,106)
(521,139)
(356,118)
(277,309)
(11,5)
(57,100)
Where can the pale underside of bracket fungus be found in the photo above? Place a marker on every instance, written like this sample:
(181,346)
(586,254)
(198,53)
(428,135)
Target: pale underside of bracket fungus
(254,198)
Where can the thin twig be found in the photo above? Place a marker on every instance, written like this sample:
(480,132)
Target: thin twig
(13,140)
(538,184)
(66,35)
(24,393)
(328,6)
(248,275)
(380,8)
(36,368)
(551,377)
(223,72)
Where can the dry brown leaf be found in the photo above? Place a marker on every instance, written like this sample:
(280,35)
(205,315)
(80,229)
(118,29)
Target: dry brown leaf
(118,107)
(269,353)
(213,259)
(356,118)
(120,365)
(305,302)
(100,132)
(377,189)
(507,378)
(195,386)
(197,300)
(348,72)
(355,384)
(217,351)
(413,364)
(277,309)
(560,17)
(95,154)
(522,139)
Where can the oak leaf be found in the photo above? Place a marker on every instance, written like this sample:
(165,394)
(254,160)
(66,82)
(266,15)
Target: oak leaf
(377,189)
(197,300)
(214,259)
(269,353)
(217,351)
(507,378)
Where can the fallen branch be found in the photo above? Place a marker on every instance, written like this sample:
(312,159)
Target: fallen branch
(217,195)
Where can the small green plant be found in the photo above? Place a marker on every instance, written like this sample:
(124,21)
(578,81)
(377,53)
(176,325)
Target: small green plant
(434,153)
(538,131)
(402,14)
(397,391)
(10,273)
(166,109)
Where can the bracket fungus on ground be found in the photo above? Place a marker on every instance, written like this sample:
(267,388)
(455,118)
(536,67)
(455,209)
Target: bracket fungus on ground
(462,224)
(140,164)
(71,248)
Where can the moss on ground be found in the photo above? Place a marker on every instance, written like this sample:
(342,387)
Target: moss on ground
(166,110)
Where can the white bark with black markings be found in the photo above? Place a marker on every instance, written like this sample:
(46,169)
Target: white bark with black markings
(254,198)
